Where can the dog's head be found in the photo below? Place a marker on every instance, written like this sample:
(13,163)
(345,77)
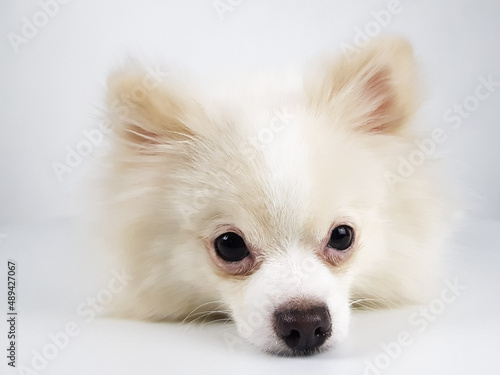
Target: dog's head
(272,205)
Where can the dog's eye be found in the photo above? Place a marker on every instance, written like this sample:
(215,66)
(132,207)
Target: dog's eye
(231,247)
(341,237)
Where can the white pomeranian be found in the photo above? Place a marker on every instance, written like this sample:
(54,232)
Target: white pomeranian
(278,206)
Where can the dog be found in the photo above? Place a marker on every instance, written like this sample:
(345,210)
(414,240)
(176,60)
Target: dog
(279,207)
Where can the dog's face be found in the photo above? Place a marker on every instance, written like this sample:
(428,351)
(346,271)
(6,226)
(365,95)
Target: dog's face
(286,228)
(277,230)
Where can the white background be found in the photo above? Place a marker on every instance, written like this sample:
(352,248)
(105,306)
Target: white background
(52,88)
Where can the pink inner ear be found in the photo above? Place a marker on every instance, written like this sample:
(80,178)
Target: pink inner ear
(138,135)
(380,94)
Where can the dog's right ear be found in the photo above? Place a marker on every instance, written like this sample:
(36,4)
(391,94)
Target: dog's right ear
(145,111)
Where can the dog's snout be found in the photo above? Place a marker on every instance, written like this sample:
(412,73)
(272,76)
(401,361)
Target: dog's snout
(303,329)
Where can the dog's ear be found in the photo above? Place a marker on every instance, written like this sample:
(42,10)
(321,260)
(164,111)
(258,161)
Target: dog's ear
(146,111)
(372,88)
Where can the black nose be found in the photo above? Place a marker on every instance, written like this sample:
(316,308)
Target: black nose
(303,329)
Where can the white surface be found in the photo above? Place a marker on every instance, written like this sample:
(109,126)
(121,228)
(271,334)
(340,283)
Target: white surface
(55,275)
(52,88)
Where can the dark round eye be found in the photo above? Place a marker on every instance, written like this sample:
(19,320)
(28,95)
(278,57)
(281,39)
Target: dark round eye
(231,247)
(341,237)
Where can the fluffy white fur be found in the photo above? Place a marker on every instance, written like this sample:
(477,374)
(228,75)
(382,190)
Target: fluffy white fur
(186,166)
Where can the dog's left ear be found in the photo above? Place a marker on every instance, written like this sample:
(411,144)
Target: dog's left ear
(372,88)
